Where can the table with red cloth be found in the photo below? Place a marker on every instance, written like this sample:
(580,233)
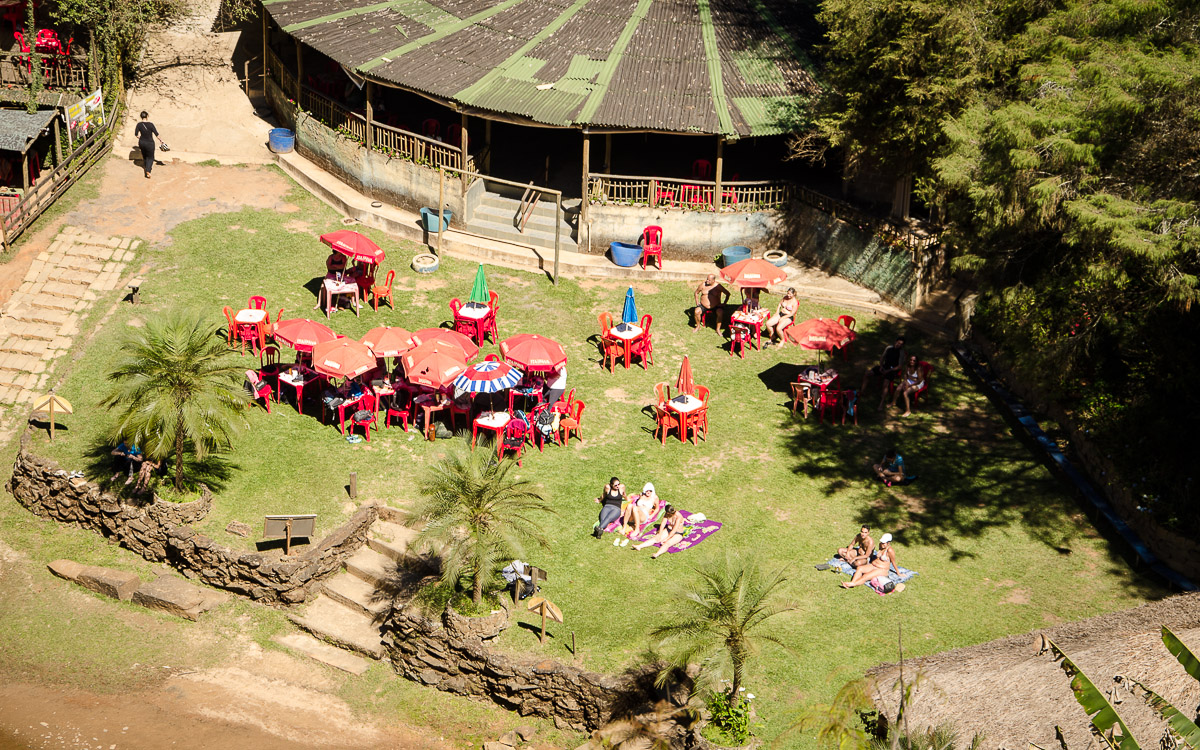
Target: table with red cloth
(475,317)
(752,319)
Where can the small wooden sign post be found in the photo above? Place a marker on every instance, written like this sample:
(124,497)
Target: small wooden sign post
(545,608)
(288,526)
(53,404)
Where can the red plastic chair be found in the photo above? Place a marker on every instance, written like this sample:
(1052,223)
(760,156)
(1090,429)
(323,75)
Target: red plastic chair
(516,433)
(257,303)
(830,400)
(699,418)
(643,345)
(739,335)
(455,411)
(259,388)
(666,421)
(384,292)
(564,403)
(364,416)
(926,376)
(489,323)
(431,128)
(702,169)
(454,135)
(852,324)
(268,365)
(27,61)
(652,246)
(572,423)
(231,326)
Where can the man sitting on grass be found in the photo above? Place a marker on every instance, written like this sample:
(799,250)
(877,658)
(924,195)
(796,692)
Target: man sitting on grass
(891,469)
(858,553)
(880,567)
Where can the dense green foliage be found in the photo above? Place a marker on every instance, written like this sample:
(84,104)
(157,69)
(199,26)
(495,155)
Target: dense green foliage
(175,389)
(1061,144)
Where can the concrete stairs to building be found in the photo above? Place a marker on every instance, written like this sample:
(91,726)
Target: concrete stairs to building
(496,217)
(348,611)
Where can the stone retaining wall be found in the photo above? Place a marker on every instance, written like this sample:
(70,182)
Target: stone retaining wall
(446,655)
(158,531)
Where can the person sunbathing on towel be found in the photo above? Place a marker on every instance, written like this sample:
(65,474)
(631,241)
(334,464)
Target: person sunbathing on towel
(670,532)
(884,562)
(637,511)
(861,549)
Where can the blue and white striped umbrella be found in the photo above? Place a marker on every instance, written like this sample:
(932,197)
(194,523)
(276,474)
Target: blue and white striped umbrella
(488,377)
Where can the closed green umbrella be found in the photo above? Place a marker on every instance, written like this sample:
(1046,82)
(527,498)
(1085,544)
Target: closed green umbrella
(479,292)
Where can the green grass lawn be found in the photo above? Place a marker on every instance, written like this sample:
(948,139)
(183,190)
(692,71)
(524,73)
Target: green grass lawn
(1001,548)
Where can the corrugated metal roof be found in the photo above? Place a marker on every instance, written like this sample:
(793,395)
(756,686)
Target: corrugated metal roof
(18,127)
(703,66)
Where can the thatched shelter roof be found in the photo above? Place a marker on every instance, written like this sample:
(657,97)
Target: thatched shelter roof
(702,66)
(1014,693)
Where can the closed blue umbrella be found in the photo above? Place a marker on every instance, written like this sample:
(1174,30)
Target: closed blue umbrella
(629,314)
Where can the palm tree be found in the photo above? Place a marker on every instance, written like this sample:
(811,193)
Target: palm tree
(719,624)
(477,515)
(175,388)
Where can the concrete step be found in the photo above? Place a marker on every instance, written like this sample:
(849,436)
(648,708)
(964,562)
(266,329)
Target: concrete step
(342,626)
(535,237)
(324,653)
(34,313)
(391,539)
(508,208)
(538,221)
(355,593)
(370,566)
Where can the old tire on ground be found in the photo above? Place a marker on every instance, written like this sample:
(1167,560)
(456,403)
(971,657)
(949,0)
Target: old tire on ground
(776,258)
(425,263)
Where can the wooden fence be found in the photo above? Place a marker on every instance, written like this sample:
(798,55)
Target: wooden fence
(16,71)
(691,195)
(16,217)
(762,195)
(392,141)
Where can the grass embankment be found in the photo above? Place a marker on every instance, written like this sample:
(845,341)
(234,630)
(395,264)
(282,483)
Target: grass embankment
(1000,547)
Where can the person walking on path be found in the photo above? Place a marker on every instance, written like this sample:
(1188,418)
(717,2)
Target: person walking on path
(146,133)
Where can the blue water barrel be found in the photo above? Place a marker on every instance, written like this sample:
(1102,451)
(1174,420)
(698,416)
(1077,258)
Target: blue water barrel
(429,218)
(625,254)
(733,254)
(282,140)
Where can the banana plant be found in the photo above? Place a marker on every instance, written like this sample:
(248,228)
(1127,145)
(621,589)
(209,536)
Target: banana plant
(1107,723)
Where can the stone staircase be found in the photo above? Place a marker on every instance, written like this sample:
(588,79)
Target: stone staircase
(345,613)
(496,215)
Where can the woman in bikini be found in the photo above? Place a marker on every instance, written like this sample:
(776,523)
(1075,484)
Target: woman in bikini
(783,317)
(882,564)
(670,532)
(635,515)
(911,381)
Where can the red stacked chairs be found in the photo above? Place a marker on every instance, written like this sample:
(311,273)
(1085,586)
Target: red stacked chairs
(652,246)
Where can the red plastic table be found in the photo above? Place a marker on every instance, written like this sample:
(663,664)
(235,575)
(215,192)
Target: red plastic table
(685,407)
(495,421)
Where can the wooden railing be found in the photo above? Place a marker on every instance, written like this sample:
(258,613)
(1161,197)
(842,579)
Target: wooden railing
(762,195)
(691,195)
(16,217)
(57,74)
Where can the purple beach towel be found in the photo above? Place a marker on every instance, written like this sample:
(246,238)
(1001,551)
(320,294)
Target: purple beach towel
(696,532)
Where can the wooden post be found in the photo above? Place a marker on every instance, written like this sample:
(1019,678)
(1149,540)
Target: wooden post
(717,175)
(246,77)
(441,203)
(57,142)
(487,146)
(52,419)
(354,485)
(299,70)
(574,652)
(544,608)
(287,539)
(25,170)
(608,153)
(463,146)
(653,197)
(264,35)
(557,230)
(587,153)
(369,138)
(547,180)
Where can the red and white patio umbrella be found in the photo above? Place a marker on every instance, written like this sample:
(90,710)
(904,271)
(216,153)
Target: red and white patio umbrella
(533,352)
(354,246)
(342,358)
(448,338)
(433,364)
(303,334)
(388,341)
(754,273)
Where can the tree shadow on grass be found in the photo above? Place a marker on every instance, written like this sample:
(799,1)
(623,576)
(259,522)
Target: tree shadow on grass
(974,477)
(110,471)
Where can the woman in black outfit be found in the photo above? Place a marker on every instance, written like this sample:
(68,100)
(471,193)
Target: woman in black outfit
(146,133)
